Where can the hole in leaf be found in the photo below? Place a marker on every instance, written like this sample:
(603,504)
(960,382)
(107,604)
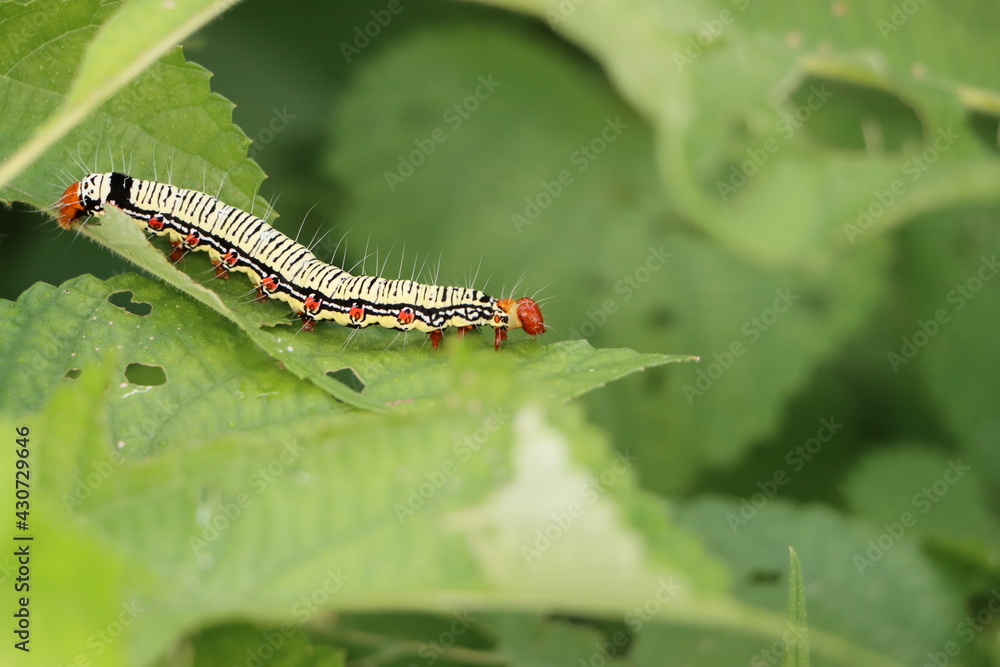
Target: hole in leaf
(124,301)
(348,377)
(851,117)
(73,373)
(986,128)
(145,375)
(273,326)
(832,114)
(765,577)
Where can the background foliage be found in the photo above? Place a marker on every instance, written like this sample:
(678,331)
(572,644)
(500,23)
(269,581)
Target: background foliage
(805,197)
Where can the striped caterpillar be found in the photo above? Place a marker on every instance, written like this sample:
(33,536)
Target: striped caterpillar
(283,269)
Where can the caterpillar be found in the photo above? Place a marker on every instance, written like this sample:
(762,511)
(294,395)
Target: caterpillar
(283,269)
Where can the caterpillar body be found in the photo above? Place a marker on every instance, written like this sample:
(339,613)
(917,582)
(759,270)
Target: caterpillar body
(283,269)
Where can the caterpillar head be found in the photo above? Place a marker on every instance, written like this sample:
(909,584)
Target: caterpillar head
(523,314)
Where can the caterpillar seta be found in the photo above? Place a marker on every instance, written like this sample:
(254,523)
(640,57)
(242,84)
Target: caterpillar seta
(283,269)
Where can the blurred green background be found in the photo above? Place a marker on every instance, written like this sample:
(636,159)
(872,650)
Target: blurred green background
(804,197)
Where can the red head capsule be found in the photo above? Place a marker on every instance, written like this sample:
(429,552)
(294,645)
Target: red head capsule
(70,206)
(524,313)
(531,316)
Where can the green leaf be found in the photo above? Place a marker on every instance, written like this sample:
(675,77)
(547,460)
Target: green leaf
(217,381)
(796,653)
(44,49)
(539,642)
(122,235)
(67,446)
(399,638)
(187,135)
(941,340)
(922,492)
(760,337)
(743,96)
(282,646)
(241,524)
(860,611)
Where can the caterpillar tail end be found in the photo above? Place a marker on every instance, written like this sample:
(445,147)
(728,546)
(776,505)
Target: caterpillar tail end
(524,314)
(71,208)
